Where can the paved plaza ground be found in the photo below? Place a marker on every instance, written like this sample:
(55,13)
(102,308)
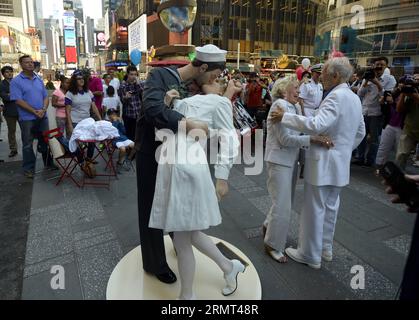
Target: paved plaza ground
(89,230)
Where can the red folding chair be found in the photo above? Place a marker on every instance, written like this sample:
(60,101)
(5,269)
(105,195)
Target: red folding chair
(67,168)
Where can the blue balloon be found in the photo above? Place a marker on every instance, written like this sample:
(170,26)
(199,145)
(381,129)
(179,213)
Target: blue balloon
(136,56)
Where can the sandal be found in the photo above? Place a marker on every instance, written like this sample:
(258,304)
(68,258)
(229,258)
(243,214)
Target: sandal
(278,256)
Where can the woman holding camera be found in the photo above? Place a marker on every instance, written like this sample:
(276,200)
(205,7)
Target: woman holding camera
(390,136)
(408,103)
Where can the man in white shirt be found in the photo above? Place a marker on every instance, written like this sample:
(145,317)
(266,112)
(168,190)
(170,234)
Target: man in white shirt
(115,83)
(373,85)
(327,171)
(311,93)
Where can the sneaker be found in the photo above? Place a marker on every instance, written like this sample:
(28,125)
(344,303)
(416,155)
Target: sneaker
(28,174)
(126,165)
(296,256)
(327,256)
(12,153)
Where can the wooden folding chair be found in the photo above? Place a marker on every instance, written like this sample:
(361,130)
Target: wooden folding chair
(67,168)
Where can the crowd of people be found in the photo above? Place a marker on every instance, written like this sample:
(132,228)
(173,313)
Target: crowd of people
(25,100)
(321,121)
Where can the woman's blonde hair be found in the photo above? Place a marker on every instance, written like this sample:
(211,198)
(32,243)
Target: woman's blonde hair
(281,85)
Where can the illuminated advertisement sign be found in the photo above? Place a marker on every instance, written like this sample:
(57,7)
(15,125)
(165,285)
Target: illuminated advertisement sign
(69,20)
(70,38)
(100,41)
(68,5)
(70,54)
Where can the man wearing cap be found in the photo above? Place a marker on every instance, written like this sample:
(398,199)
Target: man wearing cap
(209,63)
(311,93)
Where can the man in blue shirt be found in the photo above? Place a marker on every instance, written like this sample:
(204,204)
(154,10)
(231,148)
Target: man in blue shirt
(29,92)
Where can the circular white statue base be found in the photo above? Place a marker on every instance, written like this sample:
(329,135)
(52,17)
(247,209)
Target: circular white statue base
(128,280)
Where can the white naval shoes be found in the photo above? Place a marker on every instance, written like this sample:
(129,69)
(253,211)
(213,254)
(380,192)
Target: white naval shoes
(231,278)
(296,256)
(327,256)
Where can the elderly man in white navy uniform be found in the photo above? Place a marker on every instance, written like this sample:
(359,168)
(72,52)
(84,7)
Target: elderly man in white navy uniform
(327,170)
(311,93)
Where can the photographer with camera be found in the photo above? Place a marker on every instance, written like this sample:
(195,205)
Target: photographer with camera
(393,122)
(374,83)
(408,103)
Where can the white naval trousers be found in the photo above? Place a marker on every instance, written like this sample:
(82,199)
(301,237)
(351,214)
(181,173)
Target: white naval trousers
(281,186)
(317,221)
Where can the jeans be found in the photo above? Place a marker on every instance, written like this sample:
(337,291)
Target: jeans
(130,125)
(389,140)
(407,143)
(11,131)
(61,124)
(374,125)
(32,129)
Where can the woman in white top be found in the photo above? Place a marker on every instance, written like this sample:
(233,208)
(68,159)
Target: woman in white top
(79,103)
(281,155)
(185,199)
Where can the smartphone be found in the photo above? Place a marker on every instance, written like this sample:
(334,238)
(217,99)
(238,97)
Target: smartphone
(406,189)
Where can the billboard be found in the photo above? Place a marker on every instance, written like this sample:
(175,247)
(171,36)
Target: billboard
(137,34)
(119,34)
(68,4)
(69,38)
(69,20)
(100,41)
(70,55)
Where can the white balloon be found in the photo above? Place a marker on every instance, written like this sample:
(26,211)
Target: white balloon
(306,63)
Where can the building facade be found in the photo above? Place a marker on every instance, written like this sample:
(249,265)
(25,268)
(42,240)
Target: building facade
(286,25)
(369,28)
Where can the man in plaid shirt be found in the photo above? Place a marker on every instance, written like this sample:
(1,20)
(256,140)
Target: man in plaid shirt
(131,93)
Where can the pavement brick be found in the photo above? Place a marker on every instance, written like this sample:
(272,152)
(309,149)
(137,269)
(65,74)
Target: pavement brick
(90,242)
(96,264)
(32,269)
(82,205)
(49,236)
(400,243)
(92,232)
(38,287)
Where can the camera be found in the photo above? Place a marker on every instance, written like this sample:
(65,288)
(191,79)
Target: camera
(409,86)
(406,189)
(369,74)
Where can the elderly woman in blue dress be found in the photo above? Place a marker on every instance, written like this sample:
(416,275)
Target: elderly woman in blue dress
(281,156)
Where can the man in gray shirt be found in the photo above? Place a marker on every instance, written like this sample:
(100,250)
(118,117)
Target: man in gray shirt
(370,92)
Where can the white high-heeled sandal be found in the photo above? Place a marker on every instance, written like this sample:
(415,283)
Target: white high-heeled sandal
(231,278)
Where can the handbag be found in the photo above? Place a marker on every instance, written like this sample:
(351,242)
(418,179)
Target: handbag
(89,169)
(57,149)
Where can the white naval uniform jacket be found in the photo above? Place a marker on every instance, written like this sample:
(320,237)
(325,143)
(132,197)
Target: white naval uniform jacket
(283,144)
(339,117)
